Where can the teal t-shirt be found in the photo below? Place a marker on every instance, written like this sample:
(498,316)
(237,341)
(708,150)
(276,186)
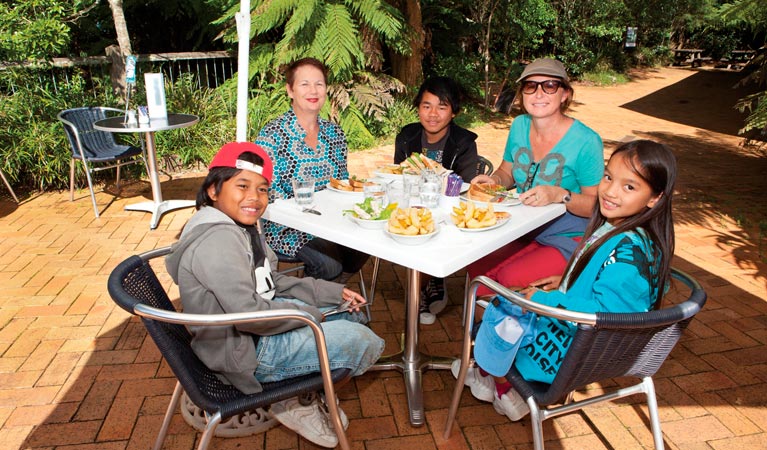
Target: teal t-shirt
(577,160)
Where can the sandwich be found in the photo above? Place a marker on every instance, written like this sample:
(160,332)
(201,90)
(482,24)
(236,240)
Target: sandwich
(341,185)
(486,192)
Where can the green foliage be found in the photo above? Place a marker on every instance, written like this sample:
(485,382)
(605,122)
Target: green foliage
(603,75)
(35,152)
(36,29)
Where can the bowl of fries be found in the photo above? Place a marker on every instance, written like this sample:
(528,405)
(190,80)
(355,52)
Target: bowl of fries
(411,226)
(468,216)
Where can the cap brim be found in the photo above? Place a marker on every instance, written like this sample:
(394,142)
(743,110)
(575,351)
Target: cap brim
(491,352)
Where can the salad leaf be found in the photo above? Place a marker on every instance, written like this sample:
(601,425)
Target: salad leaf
(369,210)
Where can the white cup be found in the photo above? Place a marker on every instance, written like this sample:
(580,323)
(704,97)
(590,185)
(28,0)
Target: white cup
(303,191)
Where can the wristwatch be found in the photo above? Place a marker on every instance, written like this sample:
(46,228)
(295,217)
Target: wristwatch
(567,197)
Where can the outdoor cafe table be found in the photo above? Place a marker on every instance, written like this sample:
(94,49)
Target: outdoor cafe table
(157,206)
(447,252)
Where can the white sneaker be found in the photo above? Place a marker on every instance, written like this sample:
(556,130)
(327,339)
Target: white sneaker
(308,421)
(482,388)
(436,295)
(324,410)
(512,405)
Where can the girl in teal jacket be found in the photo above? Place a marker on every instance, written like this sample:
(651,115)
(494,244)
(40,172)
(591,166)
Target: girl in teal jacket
(622,265)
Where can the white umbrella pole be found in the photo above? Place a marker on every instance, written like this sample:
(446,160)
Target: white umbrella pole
(242,20)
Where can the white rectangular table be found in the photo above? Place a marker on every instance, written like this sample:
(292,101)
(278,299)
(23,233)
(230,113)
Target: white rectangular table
(447,252)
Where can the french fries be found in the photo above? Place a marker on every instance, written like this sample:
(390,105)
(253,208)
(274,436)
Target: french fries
(411,221)
(468,215)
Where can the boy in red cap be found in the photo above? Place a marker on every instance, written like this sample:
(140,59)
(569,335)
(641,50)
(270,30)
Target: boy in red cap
(222,264)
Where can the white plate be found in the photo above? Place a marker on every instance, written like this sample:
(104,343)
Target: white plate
(465,187)
(387,176)
(498,223)
(411,240)
(331,188)
(369,224)
(508,201)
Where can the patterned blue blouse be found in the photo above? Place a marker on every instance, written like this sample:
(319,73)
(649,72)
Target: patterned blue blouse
(283,139)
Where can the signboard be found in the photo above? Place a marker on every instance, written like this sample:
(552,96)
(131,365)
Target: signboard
(631,37)
(130,69)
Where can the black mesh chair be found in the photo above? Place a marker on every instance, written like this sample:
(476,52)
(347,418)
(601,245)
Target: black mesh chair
(134,286)
(605,345)
(97,150)
(484,166)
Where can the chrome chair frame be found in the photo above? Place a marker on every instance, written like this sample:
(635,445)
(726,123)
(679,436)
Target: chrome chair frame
(105,142)
(630,344)
(138,267)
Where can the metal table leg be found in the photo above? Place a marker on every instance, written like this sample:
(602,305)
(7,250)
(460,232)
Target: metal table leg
(410,361)
(157,206)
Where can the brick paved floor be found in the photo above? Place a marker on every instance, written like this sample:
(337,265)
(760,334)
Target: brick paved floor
(77,373)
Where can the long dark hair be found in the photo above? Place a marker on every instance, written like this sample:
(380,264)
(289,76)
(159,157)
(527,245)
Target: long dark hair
(656,165)
(218,175)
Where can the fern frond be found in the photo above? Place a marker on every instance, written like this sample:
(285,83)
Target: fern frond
(269,14)
(379,15)
(301,17)
(337,38)
(353,124)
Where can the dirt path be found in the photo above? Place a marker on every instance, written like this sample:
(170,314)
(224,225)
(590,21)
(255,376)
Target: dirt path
(721,184)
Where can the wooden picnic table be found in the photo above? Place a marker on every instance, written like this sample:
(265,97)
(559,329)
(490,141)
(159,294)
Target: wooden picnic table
(692,56)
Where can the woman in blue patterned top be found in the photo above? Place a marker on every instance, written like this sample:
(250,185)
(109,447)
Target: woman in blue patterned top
(302,144)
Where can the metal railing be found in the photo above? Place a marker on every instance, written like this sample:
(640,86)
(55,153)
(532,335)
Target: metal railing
(209,69)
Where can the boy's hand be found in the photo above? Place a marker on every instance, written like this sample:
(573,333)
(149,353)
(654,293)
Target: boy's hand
(355,300)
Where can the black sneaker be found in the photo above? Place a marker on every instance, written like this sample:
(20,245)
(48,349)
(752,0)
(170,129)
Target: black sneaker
(436,295)
(425,316)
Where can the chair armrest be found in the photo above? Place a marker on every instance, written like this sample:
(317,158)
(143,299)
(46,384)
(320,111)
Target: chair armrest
(514,297)
(181,318)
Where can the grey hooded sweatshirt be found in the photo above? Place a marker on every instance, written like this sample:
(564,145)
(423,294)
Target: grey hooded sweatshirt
(213,265)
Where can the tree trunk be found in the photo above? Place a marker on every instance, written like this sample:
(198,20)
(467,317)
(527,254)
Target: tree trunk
(123,40)
(409,69)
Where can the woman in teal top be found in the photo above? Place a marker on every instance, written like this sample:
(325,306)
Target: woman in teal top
(549,158)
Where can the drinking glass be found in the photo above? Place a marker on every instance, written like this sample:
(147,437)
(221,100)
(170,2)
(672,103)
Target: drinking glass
(376,192)
(399,193)
(303,191)
(413,183)
(431,188)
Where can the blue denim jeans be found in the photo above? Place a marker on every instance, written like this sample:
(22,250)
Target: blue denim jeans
(327,260)
(350,345)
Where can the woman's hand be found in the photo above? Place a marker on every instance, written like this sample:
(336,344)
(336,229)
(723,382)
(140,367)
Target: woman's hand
(355,299)
(542,195)
(484,179)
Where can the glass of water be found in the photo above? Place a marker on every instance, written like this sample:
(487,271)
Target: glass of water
(303,191)
(376,192)
(399,193)
(412,182)
(431,188)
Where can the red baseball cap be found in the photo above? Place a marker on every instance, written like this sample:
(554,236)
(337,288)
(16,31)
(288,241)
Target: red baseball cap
(228,156)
